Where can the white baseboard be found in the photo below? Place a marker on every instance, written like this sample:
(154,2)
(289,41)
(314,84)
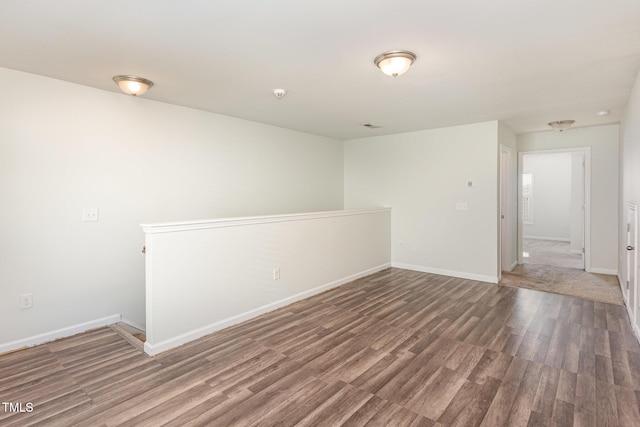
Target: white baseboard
(59,333)
(153,349)
(554,239)
(511,267)
(634,327)
(133,324)
(612,272)
(461,275)
(625,299)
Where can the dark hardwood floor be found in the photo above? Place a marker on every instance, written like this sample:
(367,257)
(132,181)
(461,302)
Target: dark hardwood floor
(397,348)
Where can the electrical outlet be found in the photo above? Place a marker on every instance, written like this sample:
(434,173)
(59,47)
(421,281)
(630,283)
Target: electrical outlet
(418,247)
(26,301)
(276,273)
(90,214)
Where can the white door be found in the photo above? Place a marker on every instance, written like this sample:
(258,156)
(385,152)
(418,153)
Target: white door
(505,219)
(630,289)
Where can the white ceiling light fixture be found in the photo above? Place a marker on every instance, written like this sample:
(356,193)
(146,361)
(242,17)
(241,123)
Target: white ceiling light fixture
(561,125)
(133,85)
(602,113)
(279,93)
(395,63)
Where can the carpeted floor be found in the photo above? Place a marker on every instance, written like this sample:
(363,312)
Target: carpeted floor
(565,281)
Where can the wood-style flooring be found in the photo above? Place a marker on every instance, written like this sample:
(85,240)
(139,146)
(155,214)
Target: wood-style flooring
(397,348)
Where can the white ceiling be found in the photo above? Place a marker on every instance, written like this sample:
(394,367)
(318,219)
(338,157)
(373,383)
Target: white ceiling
(525,62)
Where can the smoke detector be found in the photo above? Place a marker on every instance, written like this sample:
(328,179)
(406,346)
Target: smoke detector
(279,93)
(371,126)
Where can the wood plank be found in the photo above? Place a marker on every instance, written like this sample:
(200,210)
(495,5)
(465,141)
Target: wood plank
(563,414)
(394,348)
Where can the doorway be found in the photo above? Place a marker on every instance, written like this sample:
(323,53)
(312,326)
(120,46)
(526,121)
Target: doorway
(553,223)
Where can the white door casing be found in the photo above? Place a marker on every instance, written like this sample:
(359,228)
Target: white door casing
(505,218)
(586,196)
(630,288)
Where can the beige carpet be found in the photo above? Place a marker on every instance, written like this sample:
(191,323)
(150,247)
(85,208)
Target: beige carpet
(550,252)
(565,281)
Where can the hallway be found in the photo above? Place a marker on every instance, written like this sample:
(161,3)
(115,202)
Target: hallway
(549,252)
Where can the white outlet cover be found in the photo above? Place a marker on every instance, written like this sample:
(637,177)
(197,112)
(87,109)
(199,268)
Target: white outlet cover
(90,214)
(26,301)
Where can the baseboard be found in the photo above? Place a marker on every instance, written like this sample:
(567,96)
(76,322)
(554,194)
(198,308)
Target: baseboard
(612,272)
(511,267)
(58,333)
(554,239)
(461,275)
(634,328)
(134,324)
(620,282)
(153,349)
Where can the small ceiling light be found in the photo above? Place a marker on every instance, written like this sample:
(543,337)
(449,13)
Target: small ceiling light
(395,63)
(279,93)
(133,85)
(561,125)
(602,113)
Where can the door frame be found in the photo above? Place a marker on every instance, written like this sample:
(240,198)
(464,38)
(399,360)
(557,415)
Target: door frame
(631,297)
(504,240)
(586,151)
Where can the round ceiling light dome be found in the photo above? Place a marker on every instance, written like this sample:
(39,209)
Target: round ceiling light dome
(561,125)
(133,85)
(395,62)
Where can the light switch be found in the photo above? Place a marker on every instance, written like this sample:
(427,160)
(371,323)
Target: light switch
(461,206)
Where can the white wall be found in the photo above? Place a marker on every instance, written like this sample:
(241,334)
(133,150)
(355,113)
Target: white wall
(423,175)
(205,276)
(630,183)
(64,147)
(603,141)
(551,195)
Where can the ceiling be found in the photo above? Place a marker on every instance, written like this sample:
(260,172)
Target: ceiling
(523,62)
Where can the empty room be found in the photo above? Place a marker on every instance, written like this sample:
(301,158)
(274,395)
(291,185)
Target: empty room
(319,213)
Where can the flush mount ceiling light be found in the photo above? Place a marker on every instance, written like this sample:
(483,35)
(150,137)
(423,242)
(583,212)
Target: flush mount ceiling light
(133,85)
(561,125)
(395,63)
(602,113)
